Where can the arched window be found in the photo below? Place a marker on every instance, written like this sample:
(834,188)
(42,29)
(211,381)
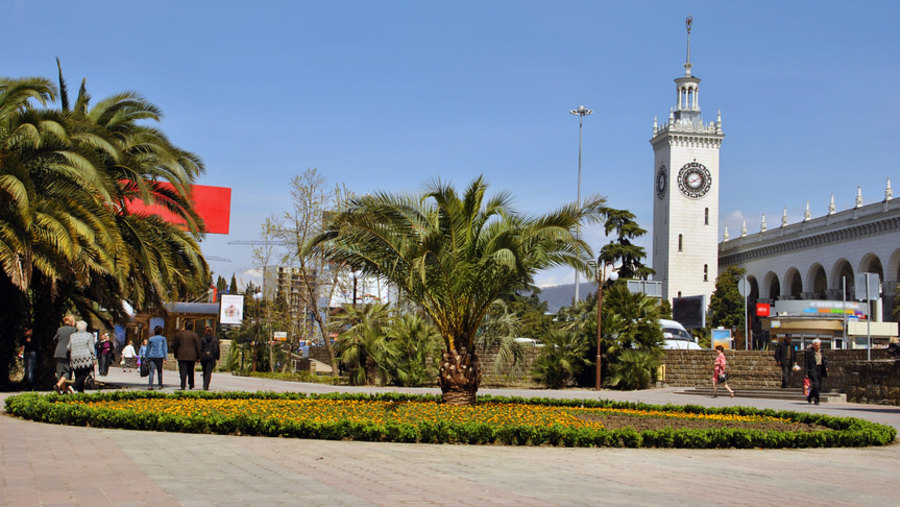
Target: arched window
(680,243)
(705,216)
(706,272)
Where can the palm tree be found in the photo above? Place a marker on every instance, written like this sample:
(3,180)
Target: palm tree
(164,261)
(413,344)
(562,359)
(361,346)
(455,255)
(55,228)
(634,369)
(499,331)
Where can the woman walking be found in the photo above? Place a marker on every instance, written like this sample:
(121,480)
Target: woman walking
(141,353)
(106,353)
(719,375)
(816,370)
(128,357)
(209,354)
(81,354)
(156,352)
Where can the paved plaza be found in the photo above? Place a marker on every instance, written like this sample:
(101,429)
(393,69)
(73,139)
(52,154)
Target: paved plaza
(45,464)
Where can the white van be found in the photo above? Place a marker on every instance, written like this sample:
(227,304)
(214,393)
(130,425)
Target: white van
(675,336)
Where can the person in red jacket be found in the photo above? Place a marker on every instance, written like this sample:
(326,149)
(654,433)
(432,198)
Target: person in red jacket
(719,375)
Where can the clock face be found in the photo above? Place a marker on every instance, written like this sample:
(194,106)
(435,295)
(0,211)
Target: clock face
(694,180)
(661,182)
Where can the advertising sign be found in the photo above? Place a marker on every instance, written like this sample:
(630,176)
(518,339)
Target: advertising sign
(721,337)
(690,311)
(279,336)
(819,308)
(763,309)
(231,309)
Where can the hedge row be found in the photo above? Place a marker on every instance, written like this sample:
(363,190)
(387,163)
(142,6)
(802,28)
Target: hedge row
(842,432)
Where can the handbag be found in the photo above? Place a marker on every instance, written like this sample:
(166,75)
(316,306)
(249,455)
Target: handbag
(145,367)
(723,377)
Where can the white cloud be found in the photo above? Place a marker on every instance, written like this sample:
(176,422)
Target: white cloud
(555,276)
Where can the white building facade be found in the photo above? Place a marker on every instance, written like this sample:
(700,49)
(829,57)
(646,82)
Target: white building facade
(823,258)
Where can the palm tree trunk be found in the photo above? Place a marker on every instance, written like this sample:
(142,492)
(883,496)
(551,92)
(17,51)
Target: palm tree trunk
(371,371)
(460,376)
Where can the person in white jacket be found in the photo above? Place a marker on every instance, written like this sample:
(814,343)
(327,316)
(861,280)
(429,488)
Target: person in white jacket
(129,357)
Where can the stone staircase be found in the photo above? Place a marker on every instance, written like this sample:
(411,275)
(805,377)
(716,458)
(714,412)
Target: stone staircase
(789,394)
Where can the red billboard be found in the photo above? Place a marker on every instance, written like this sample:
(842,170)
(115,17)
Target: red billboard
(213,204)
(763,309)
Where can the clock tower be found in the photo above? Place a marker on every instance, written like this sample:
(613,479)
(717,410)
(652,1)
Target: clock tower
(686,193)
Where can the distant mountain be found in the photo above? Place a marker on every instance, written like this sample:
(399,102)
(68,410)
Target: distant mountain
(558,296)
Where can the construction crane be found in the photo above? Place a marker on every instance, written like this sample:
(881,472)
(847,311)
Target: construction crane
(260,242)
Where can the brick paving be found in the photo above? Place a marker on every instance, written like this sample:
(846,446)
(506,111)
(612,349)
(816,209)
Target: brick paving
(45,464)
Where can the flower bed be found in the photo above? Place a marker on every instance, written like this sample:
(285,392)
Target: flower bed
(408,418)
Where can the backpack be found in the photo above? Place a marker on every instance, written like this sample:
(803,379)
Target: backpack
(206,350)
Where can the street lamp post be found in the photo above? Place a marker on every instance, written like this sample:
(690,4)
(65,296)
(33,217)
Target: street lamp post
(613,276)
(580,112)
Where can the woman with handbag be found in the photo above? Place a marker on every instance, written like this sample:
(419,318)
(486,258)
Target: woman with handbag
(720,376)
(816,370)
(81,354)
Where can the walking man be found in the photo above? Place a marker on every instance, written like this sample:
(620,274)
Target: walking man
(186,347)
(785,357)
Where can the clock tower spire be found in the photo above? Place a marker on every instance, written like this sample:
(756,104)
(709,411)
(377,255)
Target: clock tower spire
(686,192)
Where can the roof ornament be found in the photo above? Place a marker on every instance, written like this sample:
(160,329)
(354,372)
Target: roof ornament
(743,227)
(725,236)
(784,219)
(687,64)
(831,206)
(762,224)
(859,199)
(806,214)
(888,192)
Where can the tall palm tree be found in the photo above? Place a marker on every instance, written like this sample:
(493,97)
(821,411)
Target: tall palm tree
(164,262)
(454,255)
(55,227)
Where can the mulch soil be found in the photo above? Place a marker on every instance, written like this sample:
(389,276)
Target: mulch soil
(618,421)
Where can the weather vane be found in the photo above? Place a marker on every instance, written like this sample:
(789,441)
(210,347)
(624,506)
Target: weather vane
(687,64)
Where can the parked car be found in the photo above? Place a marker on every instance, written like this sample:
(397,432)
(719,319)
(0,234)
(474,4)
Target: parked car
(529,341)
(675,336)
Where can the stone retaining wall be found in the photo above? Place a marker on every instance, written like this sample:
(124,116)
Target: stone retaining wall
(753,369)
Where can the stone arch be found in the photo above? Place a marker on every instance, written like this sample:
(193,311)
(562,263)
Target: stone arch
(793,284)
(771,286)
(817,281)
(892,273)
(872,264)
(842,269)
(754,288)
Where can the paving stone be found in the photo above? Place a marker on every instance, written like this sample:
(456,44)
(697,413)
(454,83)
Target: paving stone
(44,464)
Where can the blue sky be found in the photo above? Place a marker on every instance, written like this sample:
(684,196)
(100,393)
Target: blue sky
(389,95)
